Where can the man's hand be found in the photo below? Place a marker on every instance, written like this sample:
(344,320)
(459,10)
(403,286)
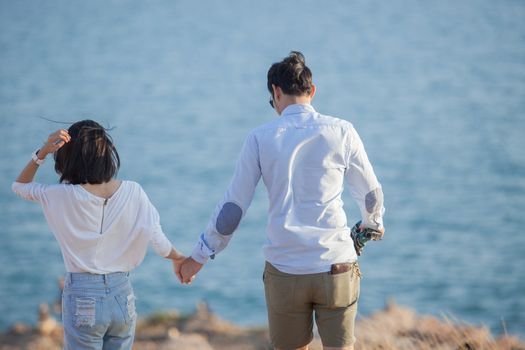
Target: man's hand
(361,234)
(187,270)
(378,236)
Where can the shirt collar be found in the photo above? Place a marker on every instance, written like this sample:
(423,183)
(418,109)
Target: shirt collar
(297,108)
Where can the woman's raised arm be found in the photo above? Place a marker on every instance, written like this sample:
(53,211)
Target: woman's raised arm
(56,140)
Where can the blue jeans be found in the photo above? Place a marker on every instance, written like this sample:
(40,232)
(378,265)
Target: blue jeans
(98,311)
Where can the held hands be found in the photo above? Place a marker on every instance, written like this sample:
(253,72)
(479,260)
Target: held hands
(184,267)
(56,140)
(187,270)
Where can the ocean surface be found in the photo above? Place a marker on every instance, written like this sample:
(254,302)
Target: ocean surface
(436,89)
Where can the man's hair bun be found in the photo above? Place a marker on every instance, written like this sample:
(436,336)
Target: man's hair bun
(295,57)
(291,75)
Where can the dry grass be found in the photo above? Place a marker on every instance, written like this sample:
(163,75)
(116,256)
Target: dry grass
(394,328)
(400,328)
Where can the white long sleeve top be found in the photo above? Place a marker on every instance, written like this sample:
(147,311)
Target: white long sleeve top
(303,158)
(99,235)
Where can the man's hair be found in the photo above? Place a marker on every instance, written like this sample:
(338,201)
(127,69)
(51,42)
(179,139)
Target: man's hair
(291,75)
(90,157)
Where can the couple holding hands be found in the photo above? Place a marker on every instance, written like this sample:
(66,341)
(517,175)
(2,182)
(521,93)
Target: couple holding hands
(104,225)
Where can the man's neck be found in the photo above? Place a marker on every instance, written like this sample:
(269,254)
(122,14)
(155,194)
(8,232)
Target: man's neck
(293,100)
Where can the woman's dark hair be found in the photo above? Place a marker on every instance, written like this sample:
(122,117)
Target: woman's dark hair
(90,157)
(291,75)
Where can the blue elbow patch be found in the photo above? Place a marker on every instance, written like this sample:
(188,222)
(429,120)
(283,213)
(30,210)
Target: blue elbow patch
(228,219)
(373,200)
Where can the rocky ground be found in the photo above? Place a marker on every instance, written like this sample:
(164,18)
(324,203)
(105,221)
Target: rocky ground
(394,328)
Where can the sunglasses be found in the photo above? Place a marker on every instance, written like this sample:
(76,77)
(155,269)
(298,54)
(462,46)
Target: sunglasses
(271,102)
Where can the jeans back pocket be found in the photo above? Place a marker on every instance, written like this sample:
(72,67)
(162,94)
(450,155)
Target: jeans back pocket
(127,306)
(85,311)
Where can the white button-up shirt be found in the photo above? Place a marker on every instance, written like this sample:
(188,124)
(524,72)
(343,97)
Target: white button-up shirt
(98,235)
(303,158)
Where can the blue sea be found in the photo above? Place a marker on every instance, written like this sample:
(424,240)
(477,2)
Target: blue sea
(436,89)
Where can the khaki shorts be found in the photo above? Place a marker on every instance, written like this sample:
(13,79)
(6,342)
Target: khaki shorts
(291,301)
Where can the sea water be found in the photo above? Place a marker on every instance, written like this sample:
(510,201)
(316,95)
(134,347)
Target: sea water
(436,89)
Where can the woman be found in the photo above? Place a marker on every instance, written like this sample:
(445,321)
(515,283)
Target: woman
(103,227)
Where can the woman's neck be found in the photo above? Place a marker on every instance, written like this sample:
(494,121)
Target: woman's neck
(104,190)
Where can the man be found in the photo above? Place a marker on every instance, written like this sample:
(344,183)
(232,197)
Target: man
(304,158)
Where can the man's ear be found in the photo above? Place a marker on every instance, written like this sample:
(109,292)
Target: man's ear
(312,93)
(277,92)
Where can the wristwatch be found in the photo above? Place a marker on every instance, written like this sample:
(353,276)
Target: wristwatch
(37,160)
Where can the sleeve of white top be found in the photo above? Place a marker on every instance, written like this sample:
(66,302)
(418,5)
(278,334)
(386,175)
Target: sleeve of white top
(151,223)
(237,198)
(31,191)
(160,243)
(364,186)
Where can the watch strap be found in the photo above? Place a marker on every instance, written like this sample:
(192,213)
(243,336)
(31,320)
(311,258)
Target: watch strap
(35,158)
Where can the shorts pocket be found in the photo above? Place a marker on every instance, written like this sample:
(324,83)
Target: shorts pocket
(342,290)
(85,311)
(279,291)
(127,306)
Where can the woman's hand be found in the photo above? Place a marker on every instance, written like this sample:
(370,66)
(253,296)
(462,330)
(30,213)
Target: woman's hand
(56,140)
(177,265)
(176,259)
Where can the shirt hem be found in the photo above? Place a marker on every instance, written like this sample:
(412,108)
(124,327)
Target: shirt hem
(306,271)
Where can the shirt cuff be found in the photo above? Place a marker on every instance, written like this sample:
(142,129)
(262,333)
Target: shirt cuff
(375,223)
(201,253)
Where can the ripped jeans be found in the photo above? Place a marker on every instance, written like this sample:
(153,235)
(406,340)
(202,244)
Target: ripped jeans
(98,311)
